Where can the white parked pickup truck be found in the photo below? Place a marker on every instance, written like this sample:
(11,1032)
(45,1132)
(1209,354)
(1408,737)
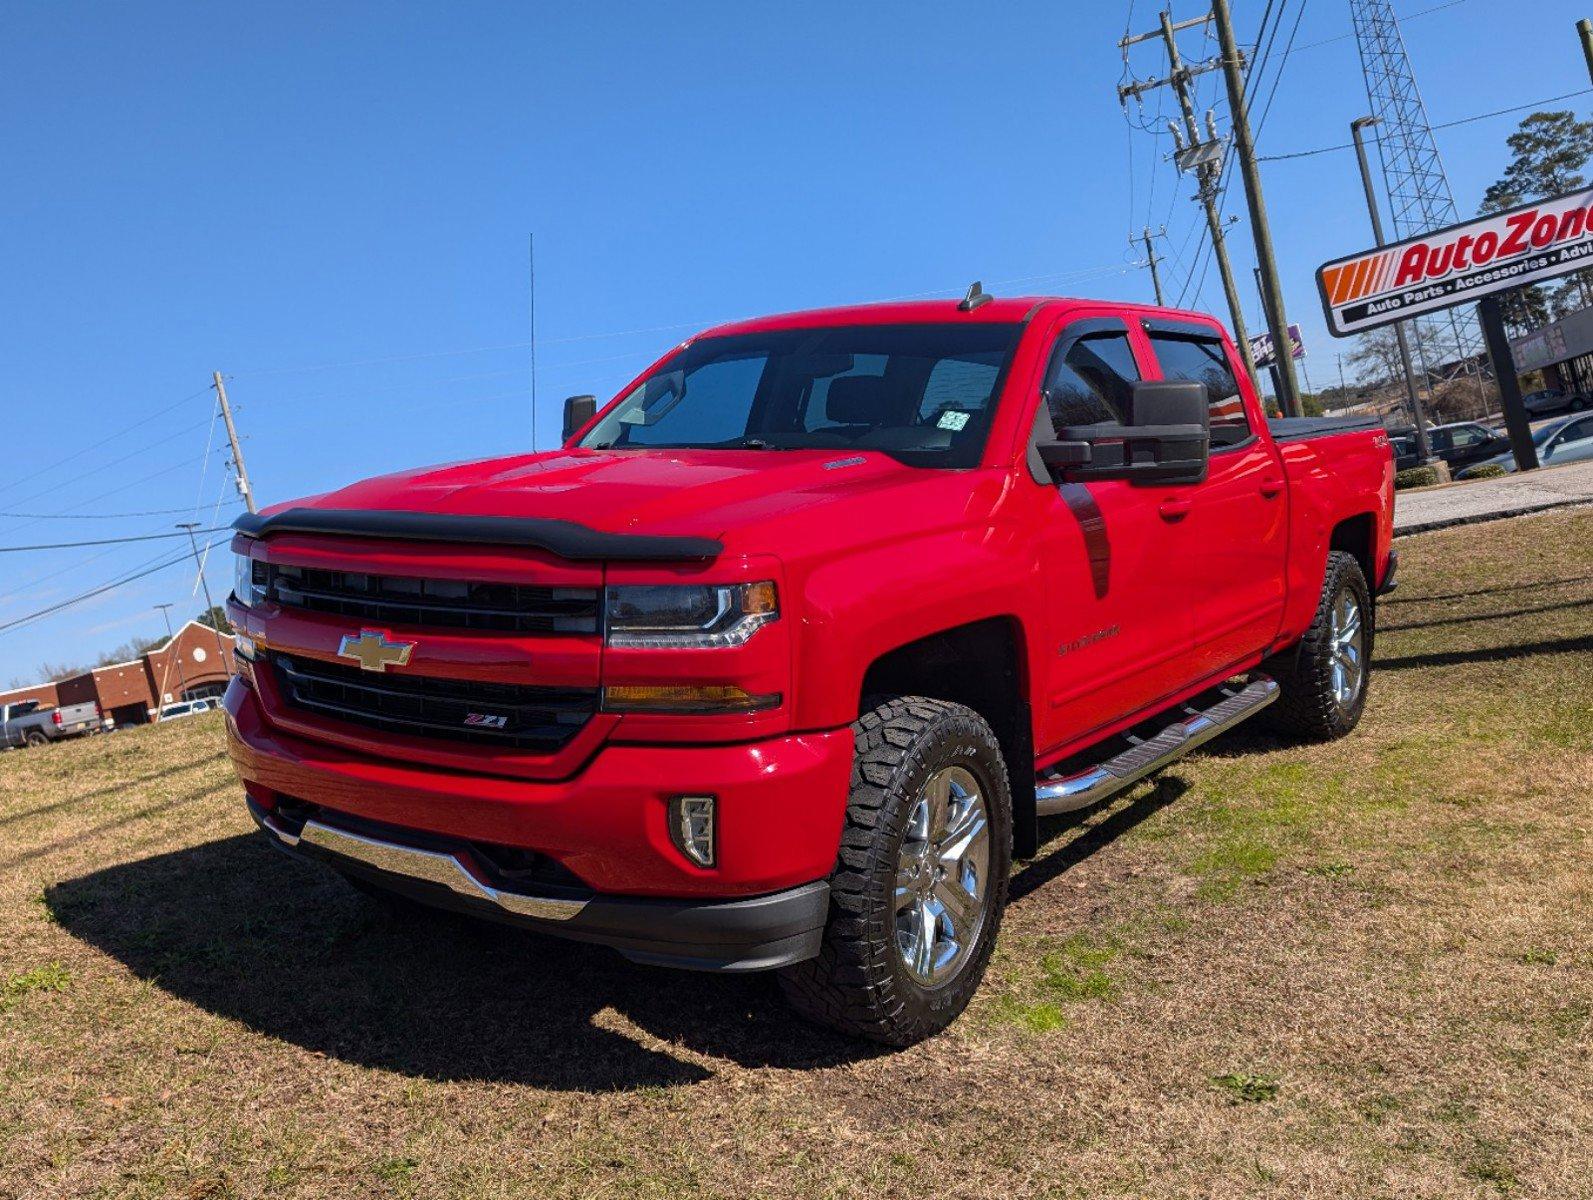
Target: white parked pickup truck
(30,724)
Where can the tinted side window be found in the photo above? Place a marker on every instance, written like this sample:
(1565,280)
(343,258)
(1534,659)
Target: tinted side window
(1203,360)
(1092,380)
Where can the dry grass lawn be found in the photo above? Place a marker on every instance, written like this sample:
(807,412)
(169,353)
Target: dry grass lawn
(1363,969)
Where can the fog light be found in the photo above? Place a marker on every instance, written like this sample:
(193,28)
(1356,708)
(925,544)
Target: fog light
(691,827)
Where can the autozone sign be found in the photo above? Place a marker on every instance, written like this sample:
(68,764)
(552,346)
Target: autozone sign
(1458,265)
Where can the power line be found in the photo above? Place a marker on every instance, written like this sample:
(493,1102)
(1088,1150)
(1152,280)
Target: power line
(1283,63)
(1255,69)
(1344,37)
(121,581)
(1498,112)
(112,492)
(76,454)
(116,516)
(143,537)
(115,462)
(34,581)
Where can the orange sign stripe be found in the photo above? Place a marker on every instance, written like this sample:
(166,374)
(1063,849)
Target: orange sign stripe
(1330,283)
(1342,287)
(1362,274)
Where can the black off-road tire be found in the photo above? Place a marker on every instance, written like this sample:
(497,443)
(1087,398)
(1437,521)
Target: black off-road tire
(1306,709)
(858,984)
(36,738)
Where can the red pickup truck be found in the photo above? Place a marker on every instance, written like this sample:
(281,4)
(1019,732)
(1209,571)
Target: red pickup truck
(778,661)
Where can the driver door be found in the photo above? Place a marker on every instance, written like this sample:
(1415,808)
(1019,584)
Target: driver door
(1118,634)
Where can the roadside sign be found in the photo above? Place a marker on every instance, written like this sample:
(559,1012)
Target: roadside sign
(1458,265)
(1261,347)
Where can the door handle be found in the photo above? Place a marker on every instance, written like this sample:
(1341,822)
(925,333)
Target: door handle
(1271,487)
(1172,510)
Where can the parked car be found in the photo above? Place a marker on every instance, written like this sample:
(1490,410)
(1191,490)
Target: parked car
(1459,444)
(29,723)
(184,708)
(777,662)
(1567,440)
(1549,401)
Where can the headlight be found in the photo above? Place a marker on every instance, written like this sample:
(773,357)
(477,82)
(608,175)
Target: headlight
(243,586)
(683,616)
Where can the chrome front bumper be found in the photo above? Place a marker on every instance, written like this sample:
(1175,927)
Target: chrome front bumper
(426,866)
(756,933)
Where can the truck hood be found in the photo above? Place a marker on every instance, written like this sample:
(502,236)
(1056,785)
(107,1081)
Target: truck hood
(724,494)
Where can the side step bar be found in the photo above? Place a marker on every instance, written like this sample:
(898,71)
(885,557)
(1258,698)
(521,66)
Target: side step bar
(1064,793)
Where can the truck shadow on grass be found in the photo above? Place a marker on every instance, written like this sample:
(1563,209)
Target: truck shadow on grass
(292,953)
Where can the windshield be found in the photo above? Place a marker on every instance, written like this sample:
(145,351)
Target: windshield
(921,393)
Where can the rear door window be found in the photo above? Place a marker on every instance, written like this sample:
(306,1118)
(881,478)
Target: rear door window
(1199,359)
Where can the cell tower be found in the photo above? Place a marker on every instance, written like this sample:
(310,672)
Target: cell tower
(1413,174)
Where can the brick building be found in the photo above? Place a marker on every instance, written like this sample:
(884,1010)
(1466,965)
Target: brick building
(44,693)
(194,662)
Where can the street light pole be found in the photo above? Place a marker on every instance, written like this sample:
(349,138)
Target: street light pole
(1424,453)
(182,677)
(210,607)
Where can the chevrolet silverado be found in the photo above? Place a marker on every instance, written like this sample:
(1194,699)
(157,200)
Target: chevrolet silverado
(777,662)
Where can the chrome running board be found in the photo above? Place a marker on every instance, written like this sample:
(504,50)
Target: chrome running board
(1063,793)
(430,866)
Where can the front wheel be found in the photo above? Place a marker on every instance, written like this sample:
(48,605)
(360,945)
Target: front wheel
(1323,680)
(920,884)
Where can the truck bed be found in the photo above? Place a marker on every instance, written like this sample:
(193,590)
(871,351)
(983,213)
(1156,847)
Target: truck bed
(1300,429)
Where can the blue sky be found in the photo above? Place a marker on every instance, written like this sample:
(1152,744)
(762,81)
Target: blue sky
(330,203)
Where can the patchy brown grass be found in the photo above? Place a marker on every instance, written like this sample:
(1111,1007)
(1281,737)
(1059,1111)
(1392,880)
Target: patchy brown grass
(1359,969)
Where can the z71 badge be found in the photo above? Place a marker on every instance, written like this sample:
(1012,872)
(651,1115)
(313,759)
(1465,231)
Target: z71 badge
(487,720)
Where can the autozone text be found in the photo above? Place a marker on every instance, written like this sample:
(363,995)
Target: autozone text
(1460,264)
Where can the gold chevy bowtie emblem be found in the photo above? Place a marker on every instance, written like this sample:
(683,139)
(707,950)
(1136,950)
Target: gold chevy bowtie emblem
(373,651)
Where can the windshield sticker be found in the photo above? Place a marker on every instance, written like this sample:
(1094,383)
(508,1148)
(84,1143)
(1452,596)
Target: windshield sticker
(954,421)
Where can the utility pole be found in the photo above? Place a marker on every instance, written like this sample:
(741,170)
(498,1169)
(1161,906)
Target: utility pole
(1424,453)
(1272,367)
(1151,259)
(210,606)
(1244,146)
(1204,157)
(1585,28)
(171,652)
(241,471)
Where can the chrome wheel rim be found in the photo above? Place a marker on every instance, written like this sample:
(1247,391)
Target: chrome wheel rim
(942,877)
(1348,648)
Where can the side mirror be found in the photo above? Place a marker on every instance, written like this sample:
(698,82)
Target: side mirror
(1169,440)
(578,410)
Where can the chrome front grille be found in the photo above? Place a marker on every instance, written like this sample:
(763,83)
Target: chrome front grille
(509,716)
(436,603)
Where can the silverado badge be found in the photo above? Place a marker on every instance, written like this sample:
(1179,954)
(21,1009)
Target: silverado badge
(373,651)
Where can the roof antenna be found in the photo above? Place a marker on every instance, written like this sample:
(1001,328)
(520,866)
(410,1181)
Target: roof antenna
(976,298)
